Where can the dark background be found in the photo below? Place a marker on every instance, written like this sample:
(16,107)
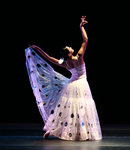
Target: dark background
(52,25)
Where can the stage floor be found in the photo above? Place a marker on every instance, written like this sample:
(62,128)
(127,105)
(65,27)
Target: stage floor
(30,137)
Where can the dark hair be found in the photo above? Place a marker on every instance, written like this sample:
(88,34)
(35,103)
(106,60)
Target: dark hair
(64,53)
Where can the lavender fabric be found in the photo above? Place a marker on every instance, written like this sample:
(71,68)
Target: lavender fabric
(66,105)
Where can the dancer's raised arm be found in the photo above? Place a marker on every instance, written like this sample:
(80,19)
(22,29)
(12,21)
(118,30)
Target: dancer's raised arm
(84,36)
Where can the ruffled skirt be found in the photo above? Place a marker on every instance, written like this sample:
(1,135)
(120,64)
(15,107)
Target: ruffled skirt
(75,116)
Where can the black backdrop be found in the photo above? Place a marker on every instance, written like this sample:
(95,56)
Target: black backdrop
(52,25)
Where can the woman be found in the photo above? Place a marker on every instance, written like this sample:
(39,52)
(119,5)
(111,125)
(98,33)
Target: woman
(66,105)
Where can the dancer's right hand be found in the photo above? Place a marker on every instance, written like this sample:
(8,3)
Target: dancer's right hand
(34,46)
(83,21)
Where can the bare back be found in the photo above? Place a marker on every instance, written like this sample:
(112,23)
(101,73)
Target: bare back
(73,63)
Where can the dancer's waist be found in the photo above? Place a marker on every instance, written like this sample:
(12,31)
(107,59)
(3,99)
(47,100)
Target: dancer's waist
(73,77)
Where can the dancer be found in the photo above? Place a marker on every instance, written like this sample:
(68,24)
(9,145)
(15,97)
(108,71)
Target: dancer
(66,105)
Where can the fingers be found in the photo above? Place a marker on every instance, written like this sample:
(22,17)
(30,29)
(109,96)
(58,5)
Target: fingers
(83,17)
(83,21)
(32,46)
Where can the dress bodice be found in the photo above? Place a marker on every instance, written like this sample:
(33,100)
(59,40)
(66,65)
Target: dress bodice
(78,72)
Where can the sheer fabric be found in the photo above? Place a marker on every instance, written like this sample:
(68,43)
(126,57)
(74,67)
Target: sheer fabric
(66,105)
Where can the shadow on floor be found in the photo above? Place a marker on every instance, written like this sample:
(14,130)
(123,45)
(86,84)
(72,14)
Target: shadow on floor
(30,137)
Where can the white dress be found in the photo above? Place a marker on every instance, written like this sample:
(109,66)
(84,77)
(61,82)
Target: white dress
(66,105)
